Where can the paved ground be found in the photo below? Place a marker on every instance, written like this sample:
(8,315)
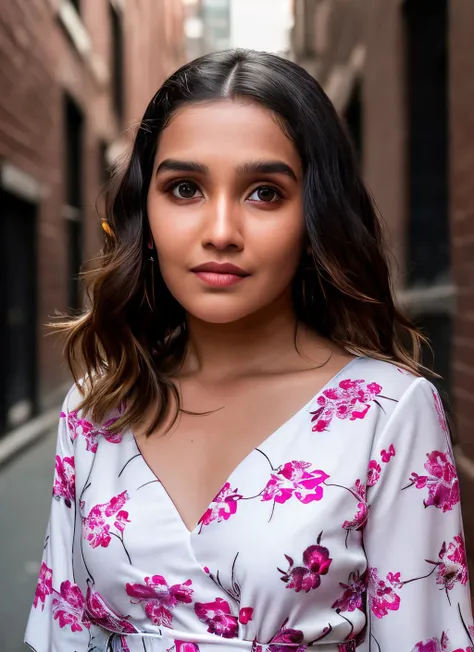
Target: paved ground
(25,495)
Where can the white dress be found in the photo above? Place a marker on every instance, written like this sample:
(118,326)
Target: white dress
(341,531)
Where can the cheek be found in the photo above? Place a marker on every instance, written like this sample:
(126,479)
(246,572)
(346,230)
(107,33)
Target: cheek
(169,233)
(282,249)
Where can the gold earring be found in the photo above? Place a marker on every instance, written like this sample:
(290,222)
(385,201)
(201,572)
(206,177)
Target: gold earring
(107,228)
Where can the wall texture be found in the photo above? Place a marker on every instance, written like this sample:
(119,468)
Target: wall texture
(365,45)
(49,50)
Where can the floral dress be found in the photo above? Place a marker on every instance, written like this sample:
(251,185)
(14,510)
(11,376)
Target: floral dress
(340,532)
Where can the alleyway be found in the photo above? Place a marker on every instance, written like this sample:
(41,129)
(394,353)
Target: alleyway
(25,490)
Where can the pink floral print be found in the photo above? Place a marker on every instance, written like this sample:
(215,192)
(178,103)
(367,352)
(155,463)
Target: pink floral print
(101,614)
(65,480)
(433,645)
(385,456)
(44,587)
(453,565)
(119,644)
(440,410)
(351,400)
(69,607)
(382,597)
(160,598)
(222,507)
(373,473)
(185,646)
(96,526)
(78,426)
(359,490)
(284,640)
(354,592)
(374,469)
(218,618)
(442,481)
(360,519)
(245,615)
(286,637)
(294,479)
(316,562)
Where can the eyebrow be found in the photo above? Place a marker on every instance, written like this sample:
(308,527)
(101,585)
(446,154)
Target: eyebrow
(181,166)
(249,168)
(266,167)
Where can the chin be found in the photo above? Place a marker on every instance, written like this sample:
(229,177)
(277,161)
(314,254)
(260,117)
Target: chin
(217,317)
(219,314)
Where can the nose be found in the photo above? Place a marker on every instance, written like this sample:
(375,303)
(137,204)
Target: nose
(223,225)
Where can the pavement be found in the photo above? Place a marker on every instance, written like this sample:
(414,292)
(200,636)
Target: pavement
(25,497)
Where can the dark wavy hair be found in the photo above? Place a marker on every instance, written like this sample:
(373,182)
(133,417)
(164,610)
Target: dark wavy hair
(129,352)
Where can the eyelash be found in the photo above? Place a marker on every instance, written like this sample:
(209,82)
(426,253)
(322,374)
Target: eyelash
(174,184)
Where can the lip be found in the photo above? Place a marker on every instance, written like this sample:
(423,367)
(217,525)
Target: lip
(220,275)
(220,268)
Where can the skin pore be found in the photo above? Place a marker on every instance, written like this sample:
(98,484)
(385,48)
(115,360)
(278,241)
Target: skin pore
(227,188)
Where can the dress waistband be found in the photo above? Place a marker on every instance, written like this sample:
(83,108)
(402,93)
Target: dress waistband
(170,640)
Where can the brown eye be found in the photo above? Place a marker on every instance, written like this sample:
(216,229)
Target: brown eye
(265,194)
(185,190)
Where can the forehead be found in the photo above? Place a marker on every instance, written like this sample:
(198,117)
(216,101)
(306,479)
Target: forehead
(230,131)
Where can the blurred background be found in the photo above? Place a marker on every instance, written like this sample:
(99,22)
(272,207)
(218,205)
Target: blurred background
(75,78)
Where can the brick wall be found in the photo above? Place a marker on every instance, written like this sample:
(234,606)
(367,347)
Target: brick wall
(462,210)
(30,139)
(462,235)
(39,63)
(381,33)
(384,123)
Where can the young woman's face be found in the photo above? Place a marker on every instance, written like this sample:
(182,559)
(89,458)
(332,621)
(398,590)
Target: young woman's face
(225,210)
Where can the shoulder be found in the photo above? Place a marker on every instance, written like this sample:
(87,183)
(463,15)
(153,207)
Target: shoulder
(394,382)
(73,421)
(73,399)
(409,402)
(399,391)
(78,425)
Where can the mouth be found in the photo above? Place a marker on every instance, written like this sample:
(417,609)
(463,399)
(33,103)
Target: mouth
(220,274)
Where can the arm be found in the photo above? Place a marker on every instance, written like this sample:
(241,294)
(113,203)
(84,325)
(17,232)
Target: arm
(57,621)
(418,587)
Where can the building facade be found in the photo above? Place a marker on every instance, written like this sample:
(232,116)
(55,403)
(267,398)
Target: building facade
(400,73)
(207,26)
(75,77)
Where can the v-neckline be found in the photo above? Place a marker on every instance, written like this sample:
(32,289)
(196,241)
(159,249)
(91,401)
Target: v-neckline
(243,461)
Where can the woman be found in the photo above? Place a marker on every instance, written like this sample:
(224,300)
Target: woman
(243,343)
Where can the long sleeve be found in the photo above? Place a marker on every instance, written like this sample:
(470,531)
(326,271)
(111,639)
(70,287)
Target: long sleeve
(57,621)
(418,586)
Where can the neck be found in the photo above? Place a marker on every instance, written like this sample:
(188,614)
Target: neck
(263,342)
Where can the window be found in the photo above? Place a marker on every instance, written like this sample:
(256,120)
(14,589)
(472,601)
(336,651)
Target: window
(117,62)
(428,237)
(18,321)
(73,213)
(427,72)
